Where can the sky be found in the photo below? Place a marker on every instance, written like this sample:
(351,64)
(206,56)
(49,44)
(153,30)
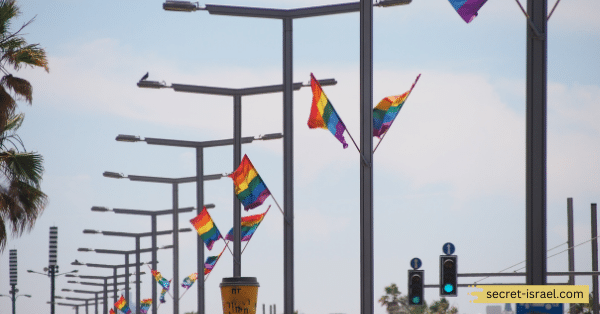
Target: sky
(451,168)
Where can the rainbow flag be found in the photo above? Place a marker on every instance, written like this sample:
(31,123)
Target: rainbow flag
(249,226)
(111,311)
(467,9)
(159,278)
(386,111)
(145,305)
(163,292)
(210,263)
(322,113)
(250,189)
(189,280)
(206,228)
(121,304)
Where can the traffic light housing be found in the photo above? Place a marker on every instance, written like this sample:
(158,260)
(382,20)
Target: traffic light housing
(416,279)
(448,274)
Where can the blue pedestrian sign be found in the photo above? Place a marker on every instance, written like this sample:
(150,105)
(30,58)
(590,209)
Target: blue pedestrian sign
(415,263)
(543,308)
(448,248)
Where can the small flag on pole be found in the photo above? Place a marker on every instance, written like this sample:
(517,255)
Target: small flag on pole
(159,278)
(387,109)
(206,228)
(189,280)
(467,9)
(111,311)
(250,189)
(249,226)
(145,305)
(163,292)
(210,263)
(323,115)
(121,304)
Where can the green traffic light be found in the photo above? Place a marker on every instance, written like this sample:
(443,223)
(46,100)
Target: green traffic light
(448,288)
(416,300)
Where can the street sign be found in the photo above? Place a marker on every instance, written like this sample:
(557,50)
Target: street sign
(448,248)
(544,308)
(415,263)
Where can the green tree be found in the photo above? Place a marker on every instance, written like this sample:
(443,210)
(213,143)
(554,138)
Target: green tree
(21,200)
(442,307)
(396,303)
(582,308)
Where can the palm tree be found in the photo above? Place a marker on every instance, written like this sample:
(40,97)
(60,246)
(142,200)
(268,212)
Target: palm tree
(396,303)
(582,308)
(21,200)
(442,307)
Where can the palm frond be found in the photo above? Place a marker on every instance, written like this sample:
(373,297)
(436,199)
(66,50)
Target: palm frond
(20,205)
(14,123)
(8,11)
(32,55)
(7,107)
(21,87)
(26,167)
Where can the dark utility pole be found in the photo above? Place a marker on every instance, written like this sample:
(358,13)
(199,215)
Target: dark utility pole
(594,259)
(536,142)
(52,267)
(13,278)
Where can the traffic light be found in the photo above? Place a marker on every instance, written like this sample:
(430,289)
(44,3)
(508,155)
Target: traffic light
(448,272)
(415,287)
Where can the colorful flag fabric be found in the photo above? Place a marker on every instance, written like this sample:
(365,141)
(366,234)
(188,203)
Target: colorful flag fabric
(467,9)
(163,292)
(189,280)
(121,304)
(210,263)
(145,305)
(249,226)
(206,228)
(323,115)
(111,311)
(250,189)
(386,111)
(159,278)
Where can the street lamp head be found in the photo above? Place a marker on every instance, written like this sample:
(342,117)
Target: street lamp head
(183,6)
(72,281)
(66,290)
(114,175)
(77,263)
(90,231)
(170,246)
(71,276)
(84,249)
(151,84)
(128,138)
(27,295)
(271,136)
(389,3)
(100,209)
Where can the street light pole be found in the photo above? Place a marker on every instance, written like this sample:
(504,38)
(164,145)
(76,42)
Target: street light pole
(105,290)
(137,237)
(199,146)
(287,16)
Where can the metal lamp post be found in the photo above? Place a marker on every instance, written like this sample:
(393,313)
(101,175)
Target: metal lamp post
(199,146)
(137,237)
(366,143)
(86,304)
(153,215)
(175,187)
(13,296)
(52,273)
(105,290)
(126,255)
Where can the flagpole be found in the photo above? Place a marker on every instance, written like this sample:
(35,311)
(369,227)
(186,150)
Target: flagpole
(409,91)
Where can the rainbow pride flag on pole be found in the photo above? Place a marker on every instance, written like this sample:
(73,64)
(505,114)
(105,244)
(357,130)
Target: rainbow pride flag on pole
(163,292)
(189,280)
(386,111)
(249,226)
(323,115)
(145,305)
(111,311)
(210,263)
(467,9)
(250,189)
(159,278)
(206,228)
(121,304)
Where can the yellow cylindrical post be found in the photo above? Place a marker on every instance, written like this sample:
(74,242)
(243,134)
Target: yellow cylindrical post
(239,295)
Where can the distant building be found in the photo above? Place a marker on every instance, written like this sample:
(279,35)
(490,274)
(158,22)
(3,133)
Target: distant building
(493,309)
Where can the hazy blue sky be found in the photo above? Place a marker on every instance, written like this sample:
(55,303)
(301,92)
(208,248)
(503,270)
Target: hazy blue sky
(451,169)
